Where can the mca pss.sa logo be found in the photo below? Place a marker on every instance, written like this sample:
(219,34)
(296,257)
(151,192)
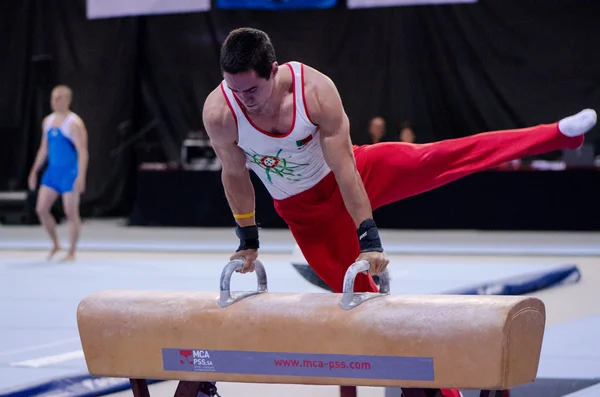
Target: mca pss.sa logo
(195,357)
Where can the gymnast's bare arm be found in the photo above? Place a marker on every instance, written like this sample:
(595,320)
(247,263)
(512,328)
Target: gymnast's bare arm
(326,110)
(80,139)
(40,158)
(239,191)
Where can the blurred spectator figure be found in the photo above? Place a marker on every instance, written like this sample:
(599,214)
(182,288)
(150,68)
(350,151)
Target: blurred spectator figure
(407,134)
(377,129)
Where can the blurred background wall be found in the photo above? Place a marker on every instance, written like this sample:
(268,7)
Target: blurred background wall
(139,81)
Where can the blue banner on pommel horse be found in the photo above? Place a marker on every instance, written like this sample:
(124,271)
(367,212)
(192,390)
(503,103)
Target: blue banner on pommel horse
(298,364)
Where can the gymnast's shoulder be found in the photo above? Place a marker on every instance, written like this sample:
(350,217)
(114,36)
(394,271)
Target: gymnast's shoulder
(216,114)
(321,94)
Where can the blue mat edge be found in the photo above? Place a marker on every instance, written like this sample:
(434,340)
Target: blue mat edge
(526,283)
(91,386)
(83,385)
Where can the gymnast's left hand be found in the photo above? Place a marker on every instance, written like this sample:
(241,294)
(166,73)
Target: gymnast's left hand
(249,256)
(80,185)
(378,261)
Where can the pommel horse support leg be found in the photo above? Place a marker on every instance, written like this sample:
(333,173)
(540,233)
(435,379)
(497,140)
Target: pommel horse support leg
(420,343)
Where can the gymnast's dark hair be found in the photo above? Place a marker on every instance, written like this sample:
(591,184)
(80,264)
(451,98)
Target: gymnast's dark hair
(247,49)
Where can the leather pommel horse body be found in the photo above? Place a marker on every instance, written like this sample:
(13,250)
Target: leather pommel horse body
(420,343)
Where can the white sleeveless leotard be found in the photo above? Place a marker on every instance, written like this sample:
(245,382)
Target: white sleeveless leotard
(287,164)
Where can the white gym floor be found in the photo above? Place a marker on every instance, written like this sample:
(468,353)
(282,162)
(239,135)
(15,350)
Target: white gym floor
(38,330)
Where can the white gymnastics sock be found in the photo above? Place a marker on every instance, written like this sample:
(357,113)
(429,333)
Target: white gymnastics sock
(579,123)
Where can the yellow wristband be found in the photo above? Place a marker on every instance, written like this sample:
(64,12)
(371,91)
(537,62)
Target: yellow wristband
(244,216)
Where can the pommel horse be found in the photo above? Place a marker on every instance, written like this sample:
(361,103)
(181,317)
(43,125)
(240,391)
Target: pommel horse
(420,343)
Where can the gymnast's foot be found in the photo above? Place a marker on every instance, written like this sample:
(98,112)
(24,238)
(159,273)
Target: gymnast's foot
(578,124)
(53,252)
(70,257)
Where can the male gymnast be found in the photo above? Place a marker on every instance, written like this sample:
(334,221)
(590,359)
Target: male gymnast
(64,145)
(288,125)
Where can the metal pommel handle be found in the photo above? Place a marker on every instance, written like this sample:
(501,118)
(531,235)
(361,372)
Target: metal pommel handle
(350,299)
(227,297)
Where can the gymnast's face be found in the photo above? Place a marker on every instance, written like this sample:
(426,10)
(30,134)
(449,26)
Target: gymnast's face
(252,90)
(60,99)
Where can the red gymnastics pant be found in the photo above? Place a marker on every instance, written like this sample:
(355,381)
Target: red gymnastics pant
(323,228)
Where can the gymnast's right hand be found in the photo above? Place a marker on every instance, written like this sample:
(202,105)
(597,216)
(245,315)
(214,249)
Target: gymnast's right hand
(248,249)
(249,256)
